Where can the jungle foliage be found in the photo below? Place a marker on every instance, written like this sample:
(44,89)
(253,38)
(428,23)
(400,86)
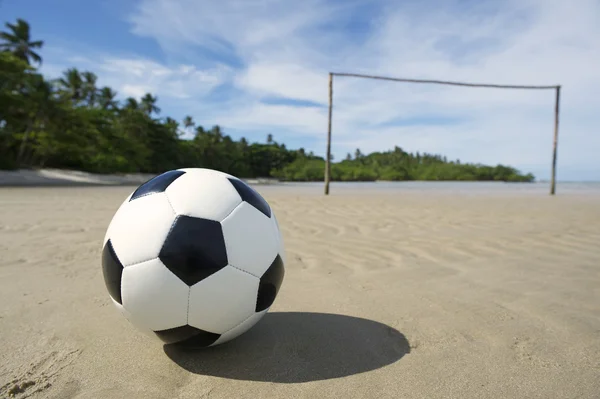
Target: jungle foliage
(72,123)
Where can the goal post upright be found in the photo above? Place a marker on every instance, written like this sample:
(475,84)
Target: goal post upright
(328,155)
(442,82)
(555,143)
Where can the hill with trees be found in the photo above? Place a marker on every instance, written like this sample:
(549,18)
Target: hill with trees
(71,123)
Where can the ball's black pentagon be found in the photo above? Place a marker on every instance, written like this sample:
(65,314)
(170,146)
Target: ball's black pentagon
(187,336)
(270,282)
(194,249)
(157,184)
(112,269)
(251,196)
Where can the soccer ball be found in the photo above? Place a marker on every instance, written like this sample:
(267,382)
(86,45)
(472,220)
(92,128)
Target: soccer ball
(194,257)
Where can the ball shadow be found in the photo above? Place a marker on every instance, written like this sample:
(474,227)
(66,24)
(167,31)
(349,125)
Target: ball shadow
(292,347)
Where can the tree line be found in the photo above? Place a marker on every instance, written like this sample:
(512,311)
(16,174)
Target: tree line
(72,123)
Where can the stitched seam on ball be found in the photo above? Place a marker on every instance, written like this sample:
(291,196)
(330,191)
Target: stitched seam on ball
(187,319)
(239,324)
(170,204)
(137,263)
(231,211)
(247,272)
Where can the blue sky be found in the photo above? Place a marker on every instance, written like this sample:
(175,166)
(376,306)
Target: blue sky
(261,66)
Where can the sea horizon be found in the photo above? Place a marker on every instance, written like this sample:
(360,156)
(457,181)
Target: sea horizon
(449,187)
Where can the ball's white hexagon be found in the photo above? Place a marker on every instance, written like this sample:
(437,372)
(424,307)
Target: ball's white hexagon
(203,193)
(240,328)
(250,239)
(222,300)
(139,228)
(280,244)
(155,296)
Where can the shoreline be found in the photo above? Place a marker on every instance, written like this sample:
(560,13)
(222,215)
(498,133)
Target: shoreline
(72,178)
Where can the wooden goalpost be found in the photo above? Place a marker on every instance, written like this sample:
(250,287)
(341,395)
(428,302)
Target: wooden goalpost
(441,82)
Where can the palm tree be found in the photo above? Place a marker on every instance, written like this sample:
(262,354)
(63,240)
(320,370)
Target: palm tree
(199,132)
(148,104)
(216,134)
(89,87)
(188,122)
(72,84)
(18,41)
(131,104)
(172,125)
(106,98)
(41,108)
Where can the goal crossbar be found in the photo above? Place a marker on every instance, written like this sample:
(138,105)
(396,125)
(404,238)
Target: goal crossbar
(450,83)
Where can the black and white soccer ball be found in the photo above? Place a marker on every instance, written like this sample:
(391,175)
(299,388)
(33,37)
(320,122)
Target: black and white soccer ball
(193,257)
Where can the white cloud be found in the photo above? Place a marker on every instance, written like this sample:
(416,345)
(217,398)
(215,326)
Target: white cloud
(287,48)
(135,76)
(247,25)
(264,78)
(263,116)
(135,91)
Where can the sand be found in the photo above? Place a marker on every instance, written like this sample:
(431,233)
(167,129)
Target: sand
(386,295)
(62,178)
(69,178)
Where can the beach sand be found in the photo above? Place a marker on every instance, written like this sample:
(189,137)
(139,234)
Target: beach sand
(386,295)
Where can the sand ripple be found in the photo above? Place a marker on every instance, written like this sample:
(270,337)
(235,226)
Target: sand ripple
(493,297)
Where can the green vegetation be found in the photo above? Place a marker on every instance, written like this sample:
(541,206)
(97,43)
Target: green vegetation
(398,165)
(73,124)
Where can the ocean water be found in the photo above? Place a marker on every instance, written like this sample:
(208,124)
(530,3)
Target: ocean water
(463,188)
